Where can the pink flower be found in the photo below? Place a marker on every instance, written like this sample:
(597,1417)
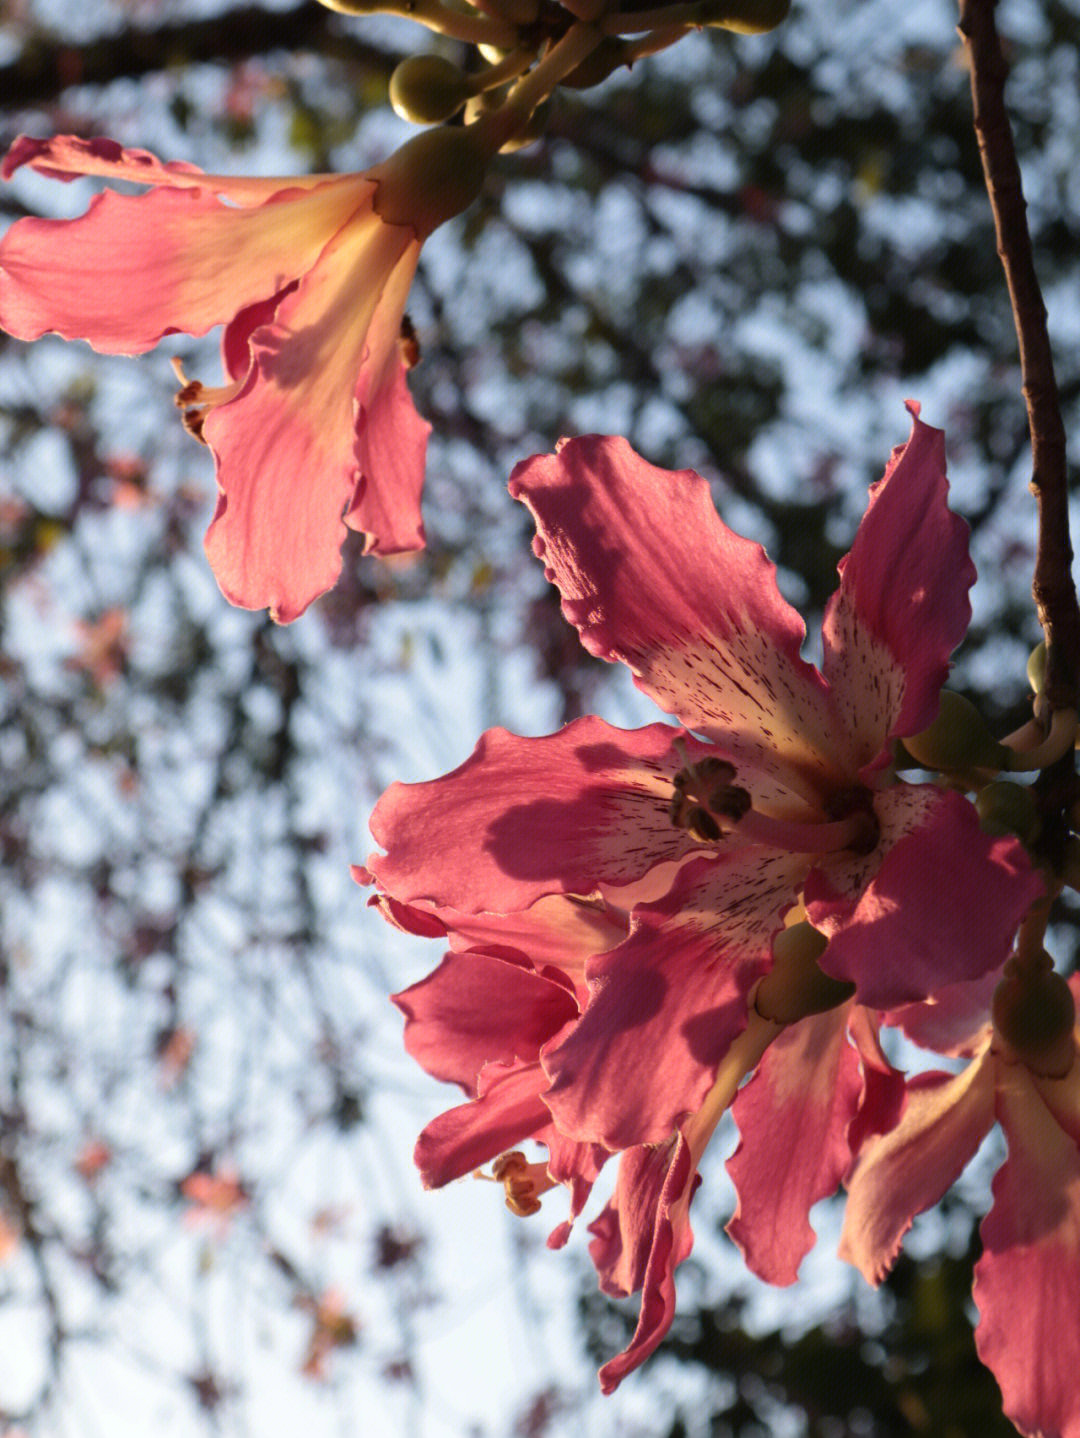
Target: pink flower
(641,1237)
(789,797)
(821,1088)
(507,987)
(1028,1277)
(313,429)
(510,984)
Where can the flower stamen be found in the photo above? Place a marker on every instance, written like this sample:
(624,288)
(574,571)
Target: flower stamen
(711,807)
(197,399)
(523,1181)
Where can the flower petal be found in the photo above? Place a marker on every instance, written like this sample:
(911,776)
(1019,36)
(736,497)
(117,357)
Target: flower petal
(476,1009)
(639,1241)
(558,933)
(577,1165)
(954,1020)
(651,576)
(522,818)
(182,259)
(508,1111)
(936,903)
(884,1089)
(391,437)
(1028,1277)
(793,1115)
(666,1005)
(68,157)
(906,1171)
(392,455)
(286,445)
(902,605)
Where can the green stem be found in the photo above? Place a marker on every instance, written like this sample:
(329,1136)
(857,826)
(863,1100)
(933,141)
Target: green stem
(469,27)
(508,68)
(742,1058)
(578,42)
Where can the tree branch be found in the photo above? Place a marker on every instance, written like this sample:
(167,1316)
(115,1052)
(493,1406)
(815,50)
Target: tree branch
(1052,585)
(46,67)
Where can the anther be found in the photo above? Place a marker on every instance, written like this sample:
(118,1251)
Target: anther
(523,1181)
(704,796)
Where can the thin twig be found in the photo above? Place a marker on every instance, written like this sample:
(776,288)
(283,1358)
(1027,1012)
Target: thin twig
(1052,584)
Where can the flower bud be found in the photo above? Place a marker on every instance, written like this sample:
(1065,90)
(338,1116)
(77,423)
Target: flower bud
(434,176)
(1008,808)
(1034,1012)
(426,89)
(957,740)
(795,987)
(1036,667)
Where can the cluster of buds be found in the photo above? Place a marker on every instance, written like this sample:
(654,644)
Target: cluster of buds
(527,47)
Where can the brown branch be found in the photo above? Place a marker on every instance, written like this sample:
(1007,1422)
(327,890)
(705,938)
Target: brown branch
(1052,585)
(47,66)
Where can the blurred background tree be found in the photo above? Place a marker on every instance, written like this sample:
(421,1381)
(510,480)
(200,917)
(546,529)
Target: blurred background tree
(743,254)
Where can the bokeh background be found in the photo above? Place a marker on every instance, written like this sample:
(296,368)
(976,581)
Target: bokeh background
(744,255)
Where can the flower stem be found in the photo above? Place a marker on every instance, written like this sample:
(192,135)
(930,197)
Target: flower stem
(1052,585)
(578,42)
(508,68)
(1054,746)
(742,1058)
(468,26)
(653,43)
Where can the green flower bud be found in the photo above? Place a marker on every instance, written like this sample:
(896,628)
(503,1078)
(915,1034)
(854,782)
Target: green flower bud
(1036,667)
(434,176)
(1008,808)
(795,987)
(426,89)
(1034,1012)
(957,740)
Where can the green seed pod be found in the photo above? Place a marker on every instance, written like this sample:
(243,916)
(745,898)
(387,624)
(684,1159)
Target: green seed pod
(1036,667)
(957,740)
(1034,1012)
(795,987)
(1008,808)
(426,89)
